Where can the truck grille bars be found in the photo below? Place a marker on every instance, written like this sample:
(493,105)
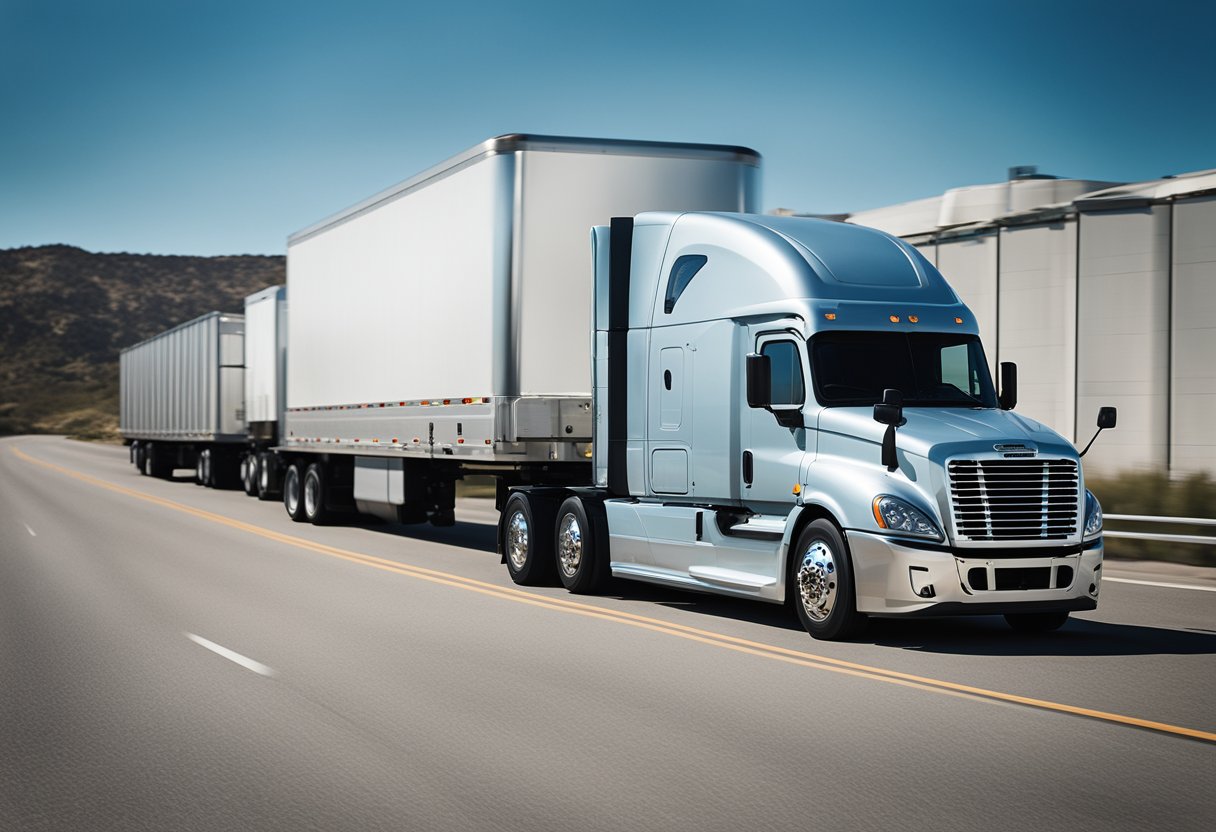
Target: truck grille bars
(1014,499)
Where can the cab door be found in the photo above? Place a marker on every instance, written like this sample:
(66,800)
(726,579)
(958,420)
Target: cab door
(773,453)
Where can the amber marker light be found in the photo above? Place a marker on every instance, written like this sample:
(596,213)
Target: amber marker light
(831,316)
(882,524)
(797,489)
(958,320)
(913,319)
(894,319)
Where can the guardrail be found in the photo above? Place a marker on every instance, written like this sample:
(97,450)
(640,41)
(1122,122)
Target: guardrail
(1164,538)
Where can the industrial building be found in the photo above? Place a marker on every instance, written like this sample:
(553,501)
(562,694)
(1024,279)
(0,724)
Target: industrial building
(1102,293)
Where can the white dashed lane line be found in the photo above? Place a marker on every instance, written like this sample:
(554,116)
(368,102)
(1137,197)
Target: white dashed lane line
(1160,584)
(232,655)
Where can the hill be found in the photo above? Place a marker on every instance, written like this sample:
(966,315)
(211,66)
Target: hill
(65,313)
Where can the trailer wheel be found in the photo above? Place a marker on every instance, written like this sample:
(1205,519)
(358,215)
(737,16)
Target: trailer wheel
(526,542)
(821,582)
(265,483)
(580,543)
(249,474)
(315,510)
(156,462)
(292,498)
(141,459)
(200,472)
(1036,622)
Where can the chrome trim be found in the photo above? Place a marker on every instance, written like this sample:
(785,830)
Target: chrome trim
(817,582)
(1039,499)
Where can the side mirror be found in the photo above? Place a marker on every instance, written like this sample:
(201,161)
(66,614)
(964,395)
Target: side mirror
(889,413)
(759,381)
(1107,416)
(1008,398)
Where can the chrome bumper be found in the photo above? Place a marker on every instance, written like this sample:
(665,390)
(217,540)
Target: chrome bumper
(897,579)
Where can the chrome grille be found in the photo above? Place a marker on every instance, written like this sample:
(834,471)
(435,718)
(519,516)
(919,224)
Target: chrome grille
(1014,499)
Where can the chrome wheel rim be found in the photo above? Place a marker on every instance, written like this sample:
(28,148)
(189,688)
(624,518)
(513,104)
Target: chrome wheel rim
(312,493)
(518,540)
(569,545)
(263,478)
(817,582)
(291,490)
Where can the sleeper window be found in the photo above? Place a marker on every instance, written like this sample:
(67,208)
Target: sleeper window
(682,273)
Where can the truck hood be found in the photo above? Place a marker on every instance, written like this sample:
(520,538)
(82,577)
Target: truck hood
(942,431)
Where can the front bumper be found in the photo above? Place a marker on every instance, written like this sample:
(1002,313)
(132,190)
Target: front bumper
(898,577)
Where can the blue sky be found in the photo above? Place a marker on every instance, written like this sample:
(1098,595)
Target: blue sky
(221,127)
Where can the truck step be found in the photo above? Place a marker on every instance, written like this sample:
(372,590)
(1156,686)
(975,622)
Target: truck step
(760,526)
(731,577)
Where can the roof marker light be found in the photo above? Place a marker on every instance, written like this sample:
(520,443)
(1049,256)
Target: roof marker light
(894,319)
(958,320)
(913,319)
(831,316)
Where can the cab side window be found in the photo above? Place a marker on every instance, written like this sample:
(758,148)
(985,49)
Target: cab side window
(786,372)
(682,272)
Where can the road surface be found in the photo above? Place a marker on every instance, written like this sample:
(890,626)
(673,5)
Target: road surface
(179,658)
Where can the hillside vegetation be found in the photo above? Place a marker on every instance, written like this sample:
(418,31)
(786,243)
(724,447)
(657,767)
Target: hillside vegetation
(65,313)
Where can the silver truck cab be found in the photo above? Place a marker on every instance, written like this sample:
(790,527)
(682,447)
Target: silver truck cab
(792,409)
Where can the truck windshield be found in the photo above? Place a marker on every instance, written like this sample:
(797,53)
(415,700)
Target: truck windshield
(931,369)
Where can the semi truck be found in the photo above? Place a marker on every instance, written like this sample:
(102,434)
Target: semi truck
(800,411)
(784,409)
(182,399)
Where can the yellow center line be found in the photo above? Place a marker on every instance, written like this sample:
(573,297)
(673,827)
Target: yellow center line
(721,640)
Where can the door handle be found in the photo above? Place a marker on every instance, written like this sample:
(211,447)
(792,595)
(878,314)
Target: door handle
(747,467)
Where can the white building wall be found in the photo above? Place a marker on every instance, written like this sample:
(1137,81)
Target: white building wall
(1193,356)
(1037,319)
(1123,335)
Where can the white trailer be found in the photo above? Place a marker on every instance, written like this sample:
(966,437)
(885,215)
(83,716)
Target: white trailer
(443,327)
(265,388)
(182,399)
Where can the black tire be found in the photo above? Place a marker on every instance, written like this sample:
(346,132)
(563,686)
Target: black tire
(293,492)
(1036,622)
(314,492)
(265,480)
(225,471)
(821,585)
(580,546)
(141,454)
(526,536)
(249,474)
(157,462)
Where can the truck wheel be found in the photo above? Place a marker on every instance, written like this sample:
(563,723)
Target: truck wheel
(141,459)
(315,510)
(264,482)
(249,473)
(821,583)
(200,474)
(526,543)
(156,463)
(292,497)
(1036,622)
(580,544)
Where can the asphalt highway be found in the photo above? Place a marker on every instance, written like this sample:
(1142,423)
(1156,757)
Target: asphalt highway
(176,658)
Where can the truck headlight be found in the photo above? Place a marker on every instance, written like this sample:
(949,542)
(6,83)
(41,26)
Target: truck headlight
(1093,515)
(895,515)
